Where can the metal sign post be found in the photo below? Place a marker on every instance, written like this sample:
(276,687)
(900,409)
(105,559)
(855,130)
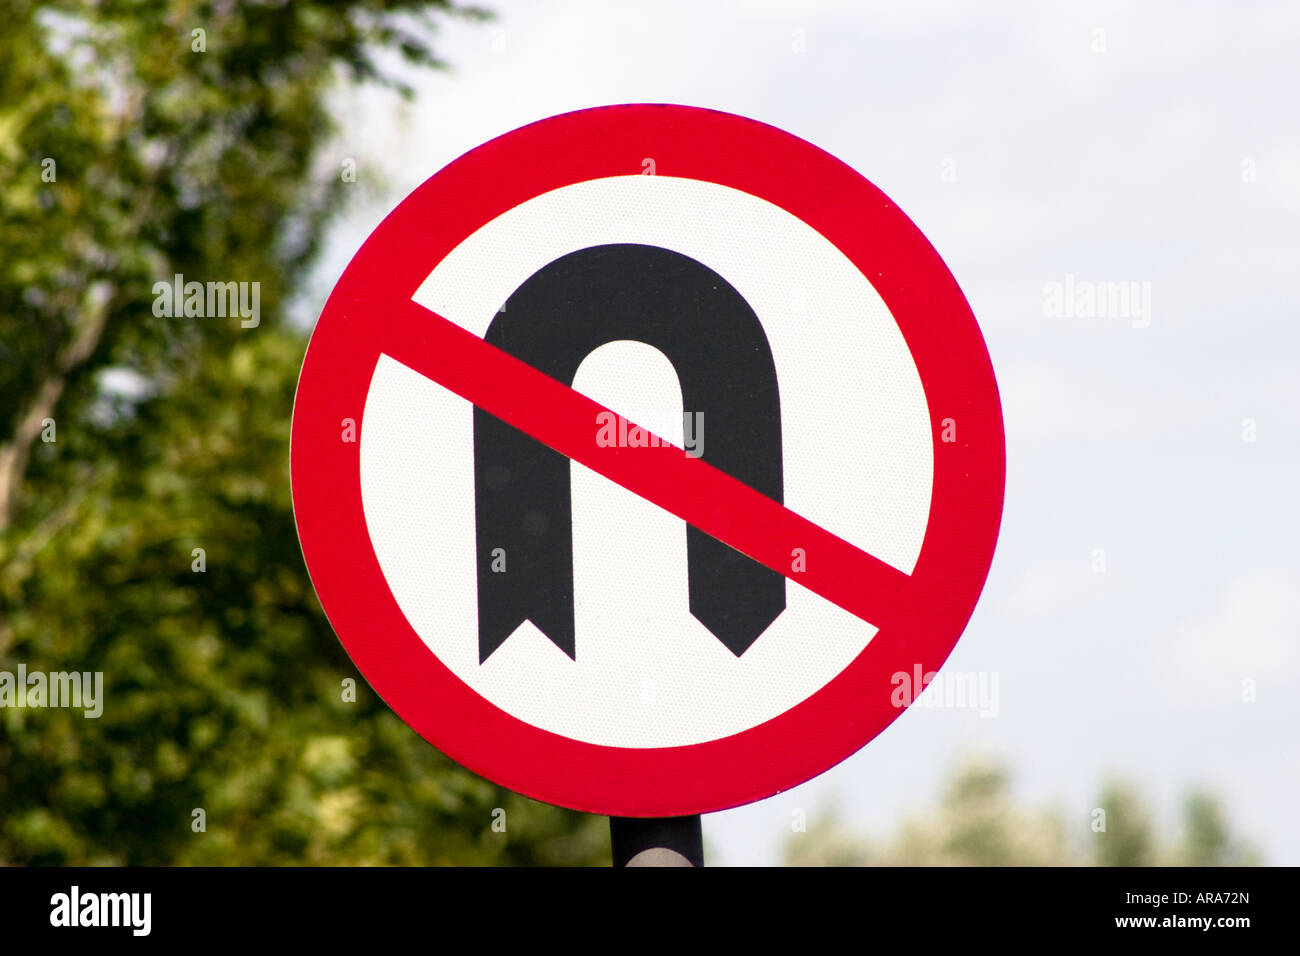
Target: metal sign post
(657,841)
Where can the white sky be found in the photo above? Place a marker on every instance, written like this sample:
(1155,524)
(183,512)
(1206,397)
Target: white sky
(1122,165)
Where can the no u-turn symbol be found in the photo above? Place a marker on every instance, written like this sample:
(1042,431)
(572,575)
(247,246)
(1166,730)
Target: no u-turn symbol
(726,623)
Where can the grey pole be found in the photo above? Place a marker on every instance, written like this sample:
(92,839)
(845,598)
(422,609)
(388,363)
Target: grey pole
(657,841)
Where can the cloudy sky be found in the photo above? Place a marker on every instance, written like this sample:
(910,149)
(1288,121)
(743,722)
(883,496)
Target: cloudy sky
(1147,581)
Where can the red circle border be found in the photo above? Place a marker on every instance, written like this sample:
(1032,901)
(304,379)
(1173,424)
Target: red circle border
(940,331)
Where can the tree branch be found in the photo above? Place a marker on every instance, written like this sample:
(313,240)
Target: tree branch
(15,453)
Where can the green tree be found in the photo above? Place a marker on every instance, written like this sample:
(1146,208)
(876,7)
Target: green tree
(978,822)
(146,529)
(1127,839)
(1207,839)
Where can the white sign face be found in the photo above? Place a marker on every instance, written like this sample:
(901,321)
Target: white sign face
(647,673)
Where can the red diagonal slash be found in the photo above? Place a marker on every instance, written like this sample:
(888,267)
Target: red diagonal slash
(687,487)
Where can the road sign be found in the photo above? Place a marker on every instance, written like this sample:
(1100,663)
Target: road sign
(637,453)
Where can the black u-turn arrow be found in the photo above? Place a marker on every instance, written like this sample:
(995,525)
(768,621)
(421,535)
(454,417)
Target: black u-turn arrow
(559,316)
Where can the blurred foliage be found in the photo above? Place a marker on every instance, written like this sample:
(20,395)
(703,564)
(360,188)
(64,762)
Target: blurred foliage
(978,822)
(224,687)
